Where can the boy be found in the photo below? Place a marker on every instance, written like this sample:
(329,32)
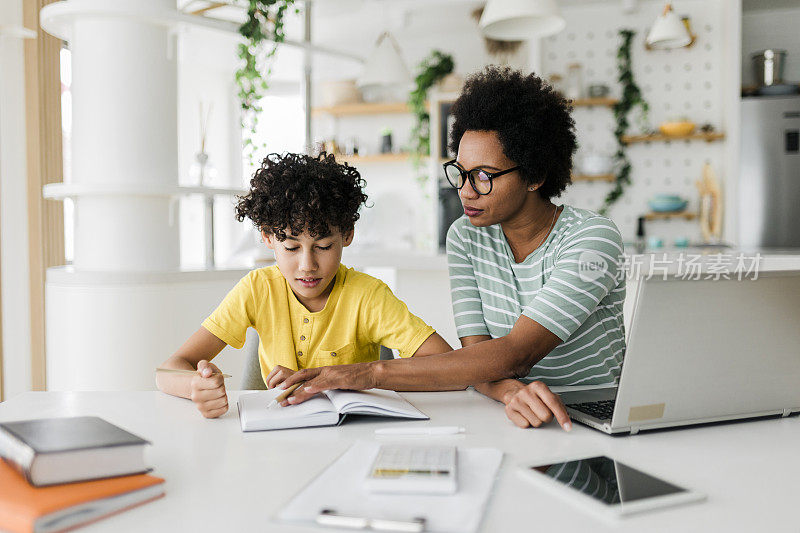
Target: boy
(309,310)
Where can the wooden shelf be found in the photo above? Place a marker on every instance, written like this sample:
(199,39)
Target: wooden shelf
(708,137)
(589,102)
(362,108)
(594,177)
(686,215)
(374,158)
(380,108)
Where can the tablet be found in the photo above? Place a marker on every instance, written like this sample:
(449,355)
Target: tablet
(608,487)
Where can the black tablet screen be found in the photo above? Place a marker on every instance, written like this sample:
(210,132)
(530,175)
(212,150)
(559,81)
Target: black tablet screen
(607,480)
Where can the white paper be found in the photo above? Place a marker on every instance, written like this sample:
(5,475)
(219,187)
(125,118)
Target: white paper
(341,488)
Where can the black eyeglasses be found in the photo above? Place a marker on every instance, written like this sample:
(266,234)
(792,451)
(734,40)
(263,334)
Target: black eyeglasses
(480,179)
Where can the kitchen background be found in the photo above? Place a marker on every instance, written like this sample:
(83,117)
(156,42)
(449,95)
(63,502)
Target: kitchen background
(700,83)
(98,295)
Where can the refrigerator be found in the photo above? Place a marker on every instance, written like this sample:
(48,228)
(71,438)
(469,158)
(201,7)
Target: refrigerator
(769,183)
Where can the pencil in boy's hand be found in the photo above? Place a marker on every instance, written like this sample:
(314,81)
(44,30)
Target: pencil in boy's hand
(182,371)
(285,394)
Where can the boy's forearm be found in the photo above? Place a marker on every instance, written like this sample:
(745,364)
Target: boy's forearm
(201,345)
(175,384)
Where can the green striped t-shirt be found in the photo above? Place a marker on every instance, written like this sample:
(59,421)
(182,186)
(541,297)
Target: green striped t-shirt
(573,285)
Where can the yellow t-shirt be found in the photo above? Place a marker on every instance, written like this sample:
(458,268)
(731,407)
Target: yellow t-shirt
(361,314)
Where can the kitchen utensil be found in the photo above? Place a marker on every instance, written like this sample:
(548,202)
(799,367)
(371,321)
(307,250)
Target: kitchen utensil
(768,66)
(710,205)
(676,129)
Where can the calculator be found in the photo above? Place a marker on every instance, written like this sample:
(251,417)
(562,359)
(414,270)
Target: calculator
(413,469)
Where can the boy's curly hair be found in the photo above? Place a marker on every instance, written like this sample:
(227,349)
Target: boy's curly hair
(532,121)
(303,193)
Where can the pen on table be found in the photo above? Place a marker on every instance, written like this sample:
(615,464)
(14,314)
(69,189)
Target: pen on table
(182,371)
(430,430)
(285,394)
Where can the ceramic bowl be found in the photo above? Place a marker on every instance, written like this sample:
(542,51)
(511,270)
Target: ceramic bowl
(677,129)
(667,203)
(596,164)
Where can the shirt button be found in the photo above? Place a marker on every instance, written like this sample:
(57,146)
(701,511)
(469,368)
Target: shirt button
(300,354)
(333,354)
(305,321)
(302,337)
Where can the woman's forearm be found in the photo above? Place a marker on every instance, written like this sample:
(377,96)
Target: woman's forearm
(504,357)
(501,391)
(488,361)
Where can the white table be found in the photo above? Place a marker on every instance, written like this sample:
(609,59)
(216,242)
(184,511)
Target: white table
(220,479)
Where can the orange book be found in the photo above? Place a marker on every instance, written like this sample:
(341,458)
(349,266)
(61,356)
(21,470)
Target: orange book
(25,508)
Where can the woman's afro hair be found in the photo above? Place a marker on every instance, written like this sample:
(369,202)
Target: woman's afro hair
(301,193)
(533,123)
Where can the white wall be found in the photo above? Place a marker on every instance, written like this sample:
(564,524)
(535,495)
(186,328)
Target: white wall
(687,82)
(771,28)
(14,267)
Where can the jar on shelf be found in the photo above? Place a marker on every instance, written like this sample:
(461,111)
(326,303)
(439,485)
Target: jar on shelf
(557,83)
(351,146)
(574,83)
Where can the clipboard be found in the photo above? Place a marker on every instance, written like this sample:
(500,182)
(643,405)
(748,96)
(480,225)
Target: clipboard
(338,497)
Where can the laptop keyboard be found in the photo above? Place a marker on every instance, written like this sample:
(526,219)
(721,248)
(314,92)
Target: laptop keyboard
(603,409)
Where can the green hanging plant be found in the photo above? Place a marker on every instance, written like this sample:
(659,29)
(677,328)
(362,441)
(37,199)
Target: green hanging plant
(265,19)
(432,70)
(631,98)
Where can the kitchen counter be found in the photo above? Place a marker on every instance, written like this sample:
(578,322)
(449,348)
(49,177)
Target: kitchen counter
(768,258)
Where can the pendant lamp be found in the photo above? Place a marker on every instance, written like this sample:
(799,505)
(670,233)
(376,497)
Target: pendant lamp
(520,20)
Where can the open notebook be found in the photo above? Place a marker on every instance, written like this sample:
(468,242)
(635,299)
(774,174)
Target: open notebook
(326,409)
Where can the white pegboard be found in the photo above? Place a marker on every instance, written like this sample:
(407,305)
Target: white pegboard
(686,82)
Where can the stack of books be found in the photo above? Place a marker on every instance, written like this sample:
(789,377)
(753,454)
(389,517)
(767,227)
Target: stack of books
(57,474)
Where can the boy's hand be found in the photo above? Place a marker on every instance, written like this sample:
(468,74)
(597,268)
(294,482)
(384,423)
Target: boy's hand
(208,390)
(278,375)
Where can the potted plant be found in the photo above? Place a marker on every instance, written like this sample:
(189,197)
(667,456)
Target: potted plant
(265,20)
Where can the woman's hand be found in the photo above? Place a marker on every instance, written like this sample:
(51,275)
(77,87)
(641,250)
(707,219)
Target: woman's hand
(358,376)
(278,375)
(533,404)
(208,390)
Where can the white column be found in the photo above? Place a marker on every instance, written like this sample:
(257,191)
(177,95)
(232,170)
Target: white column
(124,308)
(124,73)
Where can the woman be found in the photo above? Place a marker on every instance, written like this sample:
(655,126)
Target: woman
(537,289)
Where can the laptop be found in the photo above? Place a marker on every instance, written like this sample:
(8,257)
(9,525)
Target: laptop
(701,351)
